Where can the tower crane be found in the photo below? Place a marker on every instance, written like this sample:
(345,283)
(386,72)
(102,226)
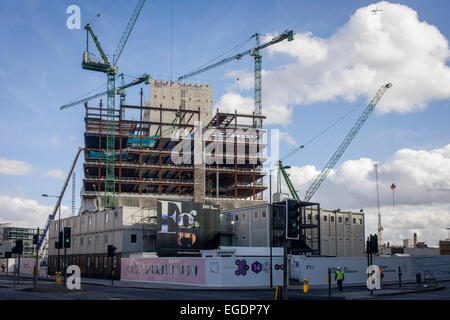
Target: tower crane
(254,52)
(110,68)
(338,153)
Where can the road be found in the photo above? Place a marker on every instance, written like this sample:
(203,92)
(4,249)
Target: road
(106,292)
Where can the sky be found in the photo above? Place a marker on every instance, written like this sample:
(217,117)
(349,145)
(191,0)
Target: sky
(342,54)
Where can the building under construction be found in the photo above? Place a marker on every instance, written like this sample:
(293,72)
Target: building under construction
(174,147)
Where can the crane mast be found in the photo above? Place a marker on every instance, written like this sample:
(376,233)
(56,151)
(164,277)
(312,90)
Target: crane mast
(348,139)
(380,228)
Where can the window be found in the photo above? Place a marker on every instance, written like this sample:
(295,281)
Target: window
(82,221)
(97,239)
(309,216)
(256,215)
(81,242)
(331,218)
(243,217)
(263,214)
(325,218)
(106,217)
(354,220)
(346,219)
(106,239)
(316,217)
(340,220)
(105,262)
(236,217)
(88,241)
(133,238)
(96,262)
(88,262)
(360,221)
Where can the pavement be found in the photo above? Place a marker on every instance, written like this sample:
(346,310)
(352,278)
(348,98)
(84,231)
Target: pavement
(295,292)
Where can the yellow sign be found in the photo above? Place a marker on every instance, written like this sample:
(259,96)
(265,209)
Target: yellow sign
(58,277)
(305,285)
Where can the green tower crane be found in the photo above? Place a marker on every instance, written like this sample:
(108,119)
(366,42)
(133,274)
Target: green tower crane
(111,70)
(338,153)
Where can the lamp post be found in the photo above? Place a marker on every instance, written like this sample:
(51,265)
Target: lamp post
(232,232)
(448,233)
(271,222)
(59,220)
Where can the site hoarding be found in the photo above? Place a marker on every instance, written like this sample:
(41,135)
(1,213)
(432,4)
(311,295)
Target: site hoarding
(185,227)
(167,270)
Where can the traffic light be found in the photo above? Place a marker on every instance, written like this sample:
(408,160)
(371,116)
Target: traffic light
(58,244)
(372,244)
(19,247)
(292,219)
(35,239)
(67,232)
(111,250)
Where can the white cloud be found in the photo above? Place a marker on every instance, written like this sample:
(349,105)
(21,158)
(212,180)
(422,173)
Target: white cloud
(73,138)
(366,52)
(422,196)
(231,101)
(54,173)
(14,167)
(23,212)
(287,137)
(54,141)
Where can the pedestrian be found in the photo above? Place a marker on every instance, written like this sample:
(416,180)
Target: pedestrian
(3,267)
(339,277)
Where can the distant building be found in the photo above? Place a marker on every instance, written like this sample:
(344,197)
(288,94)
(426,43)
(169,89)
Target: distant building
(9,234)
(408,243)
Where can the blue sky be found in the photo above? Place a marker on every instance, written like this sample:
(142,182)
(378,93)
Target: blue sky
(40,70)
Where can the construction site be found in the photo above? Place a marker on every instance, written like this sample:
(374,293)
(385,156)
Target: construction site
(174,147)
(172,182)
(145,150)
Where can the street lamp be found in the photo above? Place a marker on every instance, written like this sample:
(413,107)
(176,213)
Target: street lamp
(271,220)
(59,220)
(232,233)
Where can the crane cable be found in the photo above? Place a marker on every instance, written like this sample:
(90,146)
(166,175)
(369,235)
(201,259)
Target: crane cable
(98,14)
(235,48)
(299,147)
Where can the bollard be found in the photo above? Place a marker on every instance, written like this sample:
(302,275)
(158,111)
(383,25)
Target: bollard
(329,282)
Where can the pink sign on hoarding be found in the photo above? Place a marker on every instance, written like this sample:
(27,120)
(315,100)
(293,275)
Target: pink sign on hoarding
(172,270)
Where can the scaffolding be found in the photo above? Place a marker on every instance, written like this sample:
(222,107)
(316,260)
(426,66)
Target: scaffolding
(144,150)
